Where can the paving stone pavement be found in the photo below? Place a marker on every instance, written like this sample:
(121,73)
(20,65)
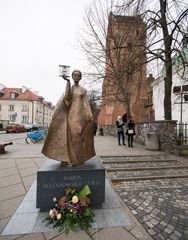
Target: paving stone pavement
(161,206)
(158,207)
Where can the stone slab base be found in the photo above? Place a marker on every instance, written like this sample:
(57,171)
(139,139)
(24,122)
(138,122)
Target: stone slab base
(52,179)
(28,219)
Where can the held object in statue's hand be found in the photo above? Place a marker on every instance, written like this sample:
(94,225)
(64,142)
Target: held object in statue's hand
(66,78)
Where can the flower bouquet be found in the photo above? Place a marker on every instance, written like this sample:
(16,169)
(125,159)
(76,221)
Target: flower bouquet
(71,212)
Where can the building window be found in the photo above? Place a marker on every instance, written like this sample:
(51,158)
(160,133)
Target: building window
(12,118)
(13,95)
(11,107)
(24,108)
(24,118)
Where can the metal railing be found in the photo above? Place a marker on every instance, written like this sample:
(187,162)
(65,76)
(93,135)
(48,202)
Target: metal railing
(182,133)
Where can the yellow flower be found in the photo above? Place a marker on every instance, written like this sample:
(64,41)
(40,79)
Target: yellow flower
(74,199)
(58,216)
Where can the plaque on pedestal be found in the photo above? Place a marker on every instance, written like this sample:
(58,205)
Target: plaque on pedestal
(52,179)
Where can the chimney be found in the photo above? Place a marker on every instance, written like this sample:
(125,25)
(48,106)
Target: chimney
(24,88)
(2,86)
(36,93)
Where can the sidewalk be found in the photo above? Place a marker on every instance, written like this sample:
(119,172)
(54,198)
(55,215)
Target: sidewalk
(18,168)
(108,146)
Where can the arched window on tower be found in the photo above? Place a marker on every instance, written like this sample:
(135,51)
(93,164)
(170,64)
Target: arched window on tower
(129,46)
(124,117)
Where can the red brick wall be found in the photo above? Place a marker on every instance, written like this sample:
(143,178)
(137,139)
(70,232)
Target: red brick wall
(138,85)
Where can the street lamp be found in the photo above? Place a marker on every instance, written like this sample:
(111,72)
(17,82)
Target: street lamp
(64,71)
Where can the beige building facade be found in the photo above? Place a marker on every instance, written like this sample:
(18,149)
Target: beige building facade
(21,105)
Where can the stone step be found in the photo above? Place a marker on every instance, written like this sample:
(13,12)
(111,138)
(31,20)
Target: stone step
(135,165)
(145,168)
(136,160)
(114,180)
(139,158)
(145,174)
(135,156)
(157,184)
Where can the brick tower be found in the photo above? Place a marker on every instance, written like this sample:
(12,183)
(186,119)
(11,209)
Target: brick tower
(125,86)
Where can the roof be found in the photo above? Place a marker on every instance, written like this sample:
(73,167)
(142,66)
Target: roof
(48,104)
(177,61)
(26,95)
(122,18)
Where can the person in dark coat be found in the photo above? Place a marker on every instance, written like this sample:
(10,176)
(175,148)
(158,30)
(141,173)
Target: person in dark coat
(130,132)
(101,130)
(94,128)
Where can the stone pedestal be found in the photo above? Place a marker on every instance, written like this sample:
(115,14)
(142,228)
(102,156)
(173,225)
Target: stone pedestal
(152,141)
(52,179)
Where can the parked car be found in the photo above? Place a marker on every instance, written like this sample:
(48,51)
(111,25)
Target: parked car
(15,128)
(31,127)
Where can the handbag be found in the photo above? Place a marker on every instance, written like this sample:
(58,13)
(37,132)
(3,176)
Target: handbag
(130,131)
(120,130)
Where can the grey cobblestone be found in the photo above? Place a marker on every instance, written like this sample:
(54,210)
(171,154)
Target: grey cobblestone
(162,205)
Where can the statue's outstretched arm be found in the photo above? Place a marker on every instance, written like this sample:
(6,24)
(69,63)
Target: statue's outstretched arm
(68,93)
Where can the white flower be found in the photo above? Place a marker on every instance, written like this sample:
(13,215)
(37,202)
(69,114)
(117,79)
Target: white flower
(74,199)
(58,216)
(51,213)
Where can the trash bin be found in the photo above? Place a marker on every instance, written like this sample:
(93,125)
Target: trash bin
(152,141)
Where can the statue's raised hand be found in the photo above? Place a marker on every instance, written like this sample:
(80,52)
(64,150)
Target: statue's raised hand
(66,78)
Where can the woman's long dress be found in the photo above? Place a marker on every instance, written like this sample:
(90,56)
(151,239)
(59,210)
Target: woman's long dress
(70,136)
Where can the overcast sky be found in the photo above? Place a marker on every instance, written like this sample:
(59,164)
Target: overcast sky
(35,37)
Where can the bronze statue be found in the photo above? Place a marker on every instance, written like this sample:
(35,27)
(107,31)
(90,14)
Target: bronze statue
(70,136)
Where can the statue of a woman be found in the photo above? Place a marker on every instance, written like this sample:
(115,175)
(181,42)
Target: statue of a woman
(70,136)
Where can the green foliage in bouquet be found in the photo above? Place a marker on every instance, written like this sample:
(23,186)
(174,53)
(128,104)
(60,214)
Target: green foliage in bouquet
(71,212)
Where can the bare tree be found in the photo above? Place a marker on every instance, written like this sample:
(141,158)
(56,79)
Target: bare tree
(94,103)
(166,28)
(110,49)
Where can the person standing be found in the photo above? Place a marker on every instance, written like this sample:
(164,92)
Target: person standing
(120,130)
(101,130)
(94,128)
(130,132)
